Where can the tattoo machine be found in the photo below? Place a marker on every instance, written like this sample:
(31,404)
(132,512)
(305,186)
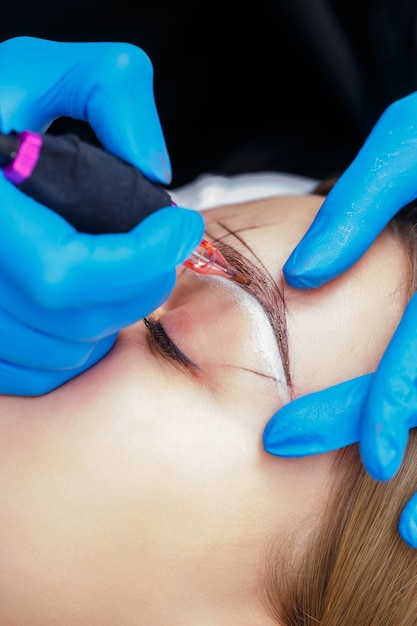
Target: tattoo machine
(93,190)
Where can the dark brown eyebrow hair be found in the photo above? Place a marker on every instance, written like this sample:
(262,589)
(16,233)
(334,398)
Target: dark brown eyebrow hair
(262,287)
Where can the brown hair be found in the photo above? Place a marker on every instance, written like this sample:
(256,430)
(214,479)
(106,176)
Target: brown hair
(357,571)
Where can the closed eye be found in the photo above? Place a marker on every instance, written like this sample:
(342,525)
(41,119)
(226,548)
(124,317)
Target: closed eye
(164,342)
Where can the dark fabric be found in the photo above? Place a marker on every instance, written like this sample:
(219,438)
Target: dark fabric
(285,85)
(91,189)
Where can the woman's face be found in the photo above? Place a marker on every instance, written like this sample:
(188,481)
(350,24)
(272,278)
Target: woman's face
(139,493)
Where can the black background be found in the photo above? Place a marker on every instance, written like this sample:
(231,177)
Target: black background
(277,85)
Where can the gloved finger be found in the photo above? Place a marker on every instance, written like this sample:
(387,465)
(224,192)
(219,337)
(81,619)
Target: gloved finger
(109,85)
(407,524)
(54,265)
(23,381)
(28,347)
(318,422)
(391,407)
(380,181)
(88,324)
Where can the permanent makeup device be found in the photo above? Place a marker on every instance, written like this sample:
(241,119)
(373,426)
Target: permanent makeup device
(93,190)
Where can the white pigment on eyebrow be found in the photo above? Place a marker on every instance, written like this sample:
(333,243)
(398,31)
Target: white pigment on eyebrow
(262,334)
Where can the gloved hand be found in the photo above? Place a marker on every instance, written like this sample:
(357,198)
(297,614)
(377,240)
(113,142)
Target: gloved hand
(376,410)
(64,295)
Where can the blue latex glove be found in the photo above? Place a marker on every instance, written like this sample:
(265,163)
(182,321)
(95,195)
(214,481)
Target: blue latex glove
(375,410)
(64,295)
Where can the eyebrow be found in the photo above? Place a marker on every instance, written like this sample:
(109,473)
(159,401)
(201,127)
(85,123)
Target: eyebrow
(262,287)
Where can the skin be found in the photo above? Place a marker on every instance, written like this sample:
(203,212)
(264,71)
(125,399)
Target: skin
(139,493)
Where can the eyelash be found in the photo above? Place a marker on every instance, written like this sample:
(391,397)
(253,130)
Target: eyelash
(165,343)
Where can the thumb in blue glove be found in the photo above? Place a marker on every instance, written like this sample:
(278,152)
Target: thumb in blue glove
(66,295)
(331,419)
(380,181)
(312,424)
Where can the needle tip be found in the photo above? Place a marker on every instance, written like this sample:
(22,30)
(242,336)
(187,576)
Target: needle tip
(242,279)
